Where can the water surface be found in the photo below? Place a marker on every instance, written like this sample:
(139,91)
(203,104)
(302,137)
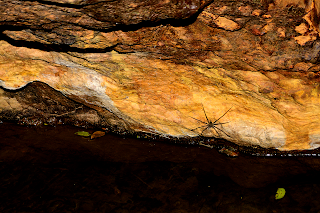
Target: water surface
(50,169)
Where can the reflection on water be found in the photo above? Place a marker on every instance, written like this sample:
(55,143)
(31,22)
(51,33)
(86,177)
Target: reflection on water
(50,169)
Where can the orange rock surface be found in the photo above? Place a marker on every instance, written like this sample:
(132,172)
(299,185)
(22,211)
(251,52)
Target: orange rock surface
(163,76)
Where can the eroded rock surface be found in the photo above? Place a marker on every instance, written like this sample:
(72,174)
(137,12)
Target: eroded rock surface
(164,70)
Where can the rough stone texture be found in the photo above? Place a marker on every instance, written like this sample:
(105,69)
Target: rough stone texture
(158,67)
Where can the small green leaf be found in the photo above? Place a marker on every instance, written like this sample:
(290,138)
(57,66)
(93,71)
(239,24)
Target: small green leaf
(83,133)
(280,193)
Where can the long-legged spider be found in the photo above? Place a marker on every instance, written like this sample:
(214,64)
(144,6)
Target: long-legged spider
(210,124)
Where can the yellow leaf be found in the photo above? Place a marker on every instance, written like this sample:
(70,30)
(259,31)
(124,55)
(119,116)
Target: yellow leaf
(83,133)
(280,193)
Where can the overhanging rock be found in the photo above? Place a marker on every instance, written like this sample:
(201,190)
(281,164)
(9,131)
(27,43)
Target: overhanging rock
(174,77)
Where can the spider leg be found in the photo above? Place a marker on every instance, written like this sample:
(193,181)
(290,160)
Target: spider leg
(215,124)
(214,127)
(197,128)
(205,114)
(204,129)
(198,120)
(224,132)
(222,116)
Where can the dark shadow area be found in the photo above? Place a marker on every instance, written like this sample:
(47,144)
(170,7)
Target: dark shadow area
(50,169)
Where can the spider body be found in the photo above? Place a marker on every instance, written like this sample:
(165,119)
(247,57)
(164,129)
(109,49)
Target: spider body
(209,124)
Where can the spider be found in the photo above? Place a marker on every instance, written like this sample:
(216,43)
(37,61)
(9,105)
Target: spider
(210,124)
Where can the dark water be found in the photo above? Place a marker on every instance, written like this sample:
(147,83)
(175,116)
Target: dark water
(50,169)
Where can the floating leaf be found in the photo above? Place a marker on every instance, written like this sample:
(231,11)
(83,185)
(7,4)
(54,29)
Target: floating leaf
(97,134)
(83,133)
(280,193)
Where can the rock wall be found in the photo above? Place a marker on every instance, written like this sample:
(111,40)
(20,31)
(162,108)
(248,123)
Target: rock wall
(248,69)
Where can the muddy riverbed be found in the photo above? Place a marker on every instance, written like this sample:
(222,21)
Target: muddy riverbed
(50,169)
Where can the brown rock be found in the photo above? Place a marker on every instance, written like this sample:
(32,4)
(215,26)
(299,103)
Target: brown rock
(226,24)
(302,28)
(257,30)
(266,16)
(93,14)
(245,10)
(256,12)
(169,78)
(302,40)
(281,32)
(302,66)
